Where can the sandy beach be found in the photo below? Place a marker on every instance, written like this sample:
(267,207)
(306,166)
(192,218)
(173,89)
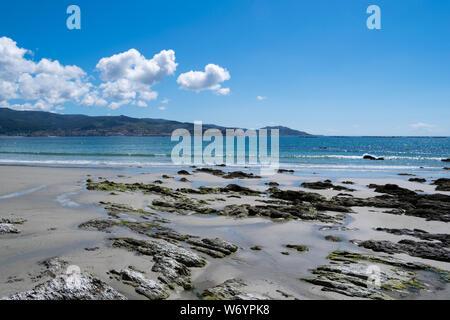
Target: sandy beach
(199,238)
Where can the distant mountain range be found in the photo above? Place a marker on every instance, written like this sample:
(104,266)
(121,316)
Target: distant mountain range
(42,124)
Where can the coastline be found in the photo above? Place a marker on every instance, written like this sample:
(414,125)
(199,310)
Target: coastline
(59,203)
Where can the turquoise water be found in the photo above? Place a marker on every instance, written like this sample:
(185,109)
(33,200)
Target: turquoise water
(404,154)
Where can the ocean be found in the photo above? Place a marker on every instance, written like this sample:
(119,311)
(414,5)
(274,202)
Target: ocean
(333,155)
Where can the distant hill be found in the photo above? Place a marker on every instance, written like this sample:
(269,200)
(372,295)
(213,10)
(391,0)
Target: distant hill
(40,123)
(288,132)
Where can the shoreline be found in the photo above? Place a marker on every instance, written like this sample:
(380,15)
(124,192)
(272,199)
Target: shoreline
(55,213)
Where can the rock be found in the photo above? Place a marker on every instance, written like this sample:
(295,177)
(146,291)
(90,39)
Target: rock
(395,211)
(171,235)
(241,190)
(285,171)
(427,206)
(285,253)
(184,180)
(12,220)
(160,248)
(421,180)
(92,249)
(184,205)
(332,238)
(165,176)
(392,189)
(319,185)
(421,249)
(100,225)
(172,261)
(231,289)
(330,206)
(295,196)
(302,212)
(115,210)
(8,228)
(240,175)
(256,248)
(445,160)
(105,225)
(215,172)
(216,248)
(229,175)
(443,184)
(157,182)
(405,174)
(423,235)
(348,274)
(347,182)
(299,248)
(446,168)
(146,287)
(183,172)
(370,157)
(272,184)
(7,224)
(229,188)
(172,272)
(73,286)
(123,187)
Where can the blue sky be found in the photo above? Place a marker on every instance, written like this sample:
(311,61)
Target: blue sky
(317,65)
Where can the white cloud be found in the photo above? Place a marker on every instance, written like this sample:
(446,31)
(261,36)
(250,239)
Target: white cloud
(127,78)
(141,104)
(42,85)
(260,98)
(129,75)
(117,104)
(422,125)
(210,79)
(162,108)
(223,91)
(93,99)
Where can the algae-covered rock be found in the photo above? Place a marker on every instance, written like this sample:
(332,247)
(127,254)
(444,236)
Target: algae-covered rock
(322,185)
(146,287)
(216,248)
(333,238)
(298,247)
(373,277)
(232,289)
(422,249)
(69,286)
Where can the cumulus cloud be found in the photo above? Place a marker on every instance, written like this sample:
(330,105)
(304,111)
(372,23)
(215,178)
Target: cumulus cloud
(129,76)
(260,98)
(43,85)
(162,108)
(422,125)
(210,79)
(93,99)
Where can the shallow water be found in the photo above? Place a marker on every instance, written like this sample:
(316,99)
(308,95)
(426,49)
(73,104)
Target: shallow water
(336,156)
